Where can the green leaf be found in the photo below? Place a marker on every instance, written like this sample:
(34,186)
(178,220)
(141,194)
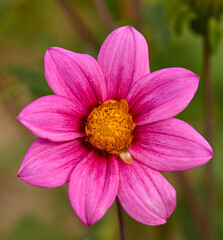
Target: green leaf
(198,25)
(214,34)
(34,79)
(181,19)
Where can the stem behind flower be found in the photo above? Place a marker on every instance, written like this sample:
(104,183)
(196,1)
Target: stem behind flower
(208,130)
(79,24)
(121,221)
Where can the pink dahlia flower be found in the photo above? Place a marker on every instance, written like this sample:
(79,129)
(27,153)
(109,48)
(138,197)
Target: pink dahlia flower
(109,130)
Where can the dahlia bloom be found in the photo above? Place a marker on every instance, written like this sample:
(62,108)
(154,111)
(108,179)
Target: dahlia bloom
(109,130)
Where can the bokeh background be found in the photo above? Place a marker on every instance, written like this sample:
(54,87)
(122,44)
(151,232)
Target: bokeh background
(175,34)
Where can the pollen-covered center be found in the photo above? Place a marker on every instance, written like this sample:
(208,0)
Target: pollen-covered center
(109,127)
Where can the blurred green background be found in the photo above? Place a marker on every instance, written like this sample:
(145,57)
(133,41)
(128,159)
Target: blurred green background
(173,32)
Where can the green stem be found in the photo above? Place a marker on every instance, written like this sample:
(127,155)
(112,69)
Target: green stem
(121,221)
(138,10)
(79,25)
(104,14)
(208,130)
(195,209)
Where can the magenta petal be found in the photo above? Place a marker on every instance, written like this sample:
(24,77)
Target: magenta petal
(54,117)
(162,94)
(48,164)
(170,145)
(124,59)
(145,194)
(93,186)
(75,76)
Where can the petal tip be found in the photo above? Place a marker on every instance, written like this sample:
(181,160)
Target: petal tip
(21,118)
(197,78)
(18,118)
(49,52)
(89,223)
(131,30)
(209,150)
(51,49)
(86,221)
(129,27)
(162,221)
(211,154)
(20,173)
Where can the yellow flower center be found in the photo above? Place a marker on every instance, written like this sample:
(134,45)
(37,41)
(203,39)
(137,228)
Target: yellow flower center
(109,128)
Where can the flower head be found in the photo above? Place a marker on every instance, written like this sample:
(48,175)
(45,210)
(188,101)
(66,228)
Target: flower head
(109,130)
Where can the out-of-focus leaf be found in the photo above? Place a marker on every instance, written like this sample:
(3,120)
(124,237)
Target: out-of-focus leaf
(181,19)
(172,8)
(155,17)
(34,79)
(198,25)
(215,33)
(31,228)
(189,228)
(154,14)
(112,7)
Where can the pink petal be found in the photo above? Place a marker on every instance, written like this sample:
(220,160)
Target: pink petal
(124,59)
(162,94)
(55,118)
(75,76)
(145,194)
(170,145)
(93,186)
(48,164)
